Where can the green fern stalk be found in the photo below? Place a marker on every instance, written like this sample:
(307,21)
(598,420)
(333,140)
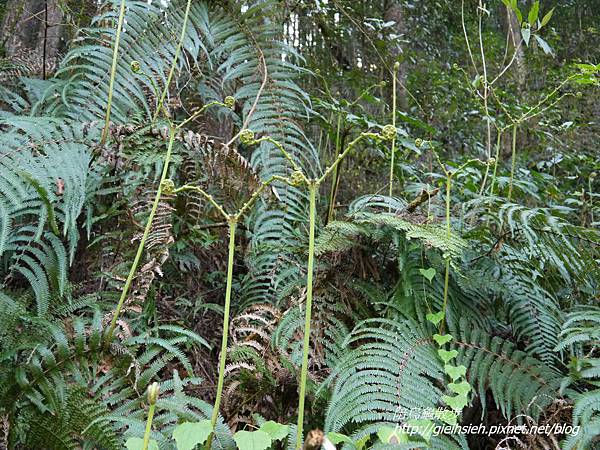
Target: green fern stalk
(223,355)
(448,235)
(513,161)
(152,399)
(113,72)
(163,177)
(449,175)
(175,59)
(142,243)
(336,173)
(496,159)
(232,220)
(313,188)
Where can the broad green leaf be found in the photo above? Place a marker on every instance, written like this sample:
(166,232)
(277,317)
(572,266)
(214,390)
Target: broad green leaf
(327,444)
(455,372)
(435,318)
(337,438)
(442,339)
(428,273)
(136,443)
(447,355)
(533,13)
(517,11)
(277,431)
(526,33)
(457,403)
(547,18)
(252,440)
(462,388)
(189,434)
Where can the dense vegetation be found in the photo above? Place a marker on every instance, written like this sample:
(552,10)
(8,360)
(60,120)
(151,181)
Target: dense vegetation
(236,224)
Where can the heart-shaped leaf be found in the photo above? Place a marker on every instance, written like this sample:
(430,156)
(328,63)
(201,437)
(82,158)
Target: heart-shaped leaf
(455,372)
(435,318)
(428,273)
(446,415)
(447,355)
(276,430)
(457,403)
(442,339)
(189,434)
(462,388)
(136,443)
(252,440)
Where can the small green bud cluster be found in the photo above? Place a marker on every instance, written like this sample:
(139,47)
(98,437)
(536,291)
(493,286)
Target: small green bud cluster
(229,101)
(153,391)
(247,137)
(135,67)
(167,186)
(296,178)
(388,132)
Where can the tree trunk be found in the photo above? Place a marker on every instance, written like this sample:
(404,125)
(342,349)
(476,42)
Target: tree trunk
(393,13)
(32,33)
(515,44)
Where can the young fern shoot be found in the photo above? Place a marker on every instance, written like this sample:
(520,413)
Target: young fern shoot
(164,184)
(232,222)
(113,72)
(450,174)
(298,177)
(153,391)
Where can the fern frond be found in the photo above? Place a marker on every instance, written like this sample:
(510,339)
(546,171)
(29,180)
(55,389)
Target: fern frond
(519,383)
(390,371)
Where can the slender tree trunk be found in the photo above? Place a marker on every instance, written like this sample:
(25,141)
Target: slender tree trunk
(393,12)
(515,44)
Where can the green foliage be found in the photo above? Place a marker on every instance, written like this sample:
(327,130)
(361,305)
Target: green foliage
(88,386)
(518,382)
(188,435)
(46,181)
(480,299)
(389,371)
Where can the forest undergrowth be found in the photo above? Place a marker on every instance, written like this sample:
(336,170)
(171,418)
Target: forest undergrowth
(300,225)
